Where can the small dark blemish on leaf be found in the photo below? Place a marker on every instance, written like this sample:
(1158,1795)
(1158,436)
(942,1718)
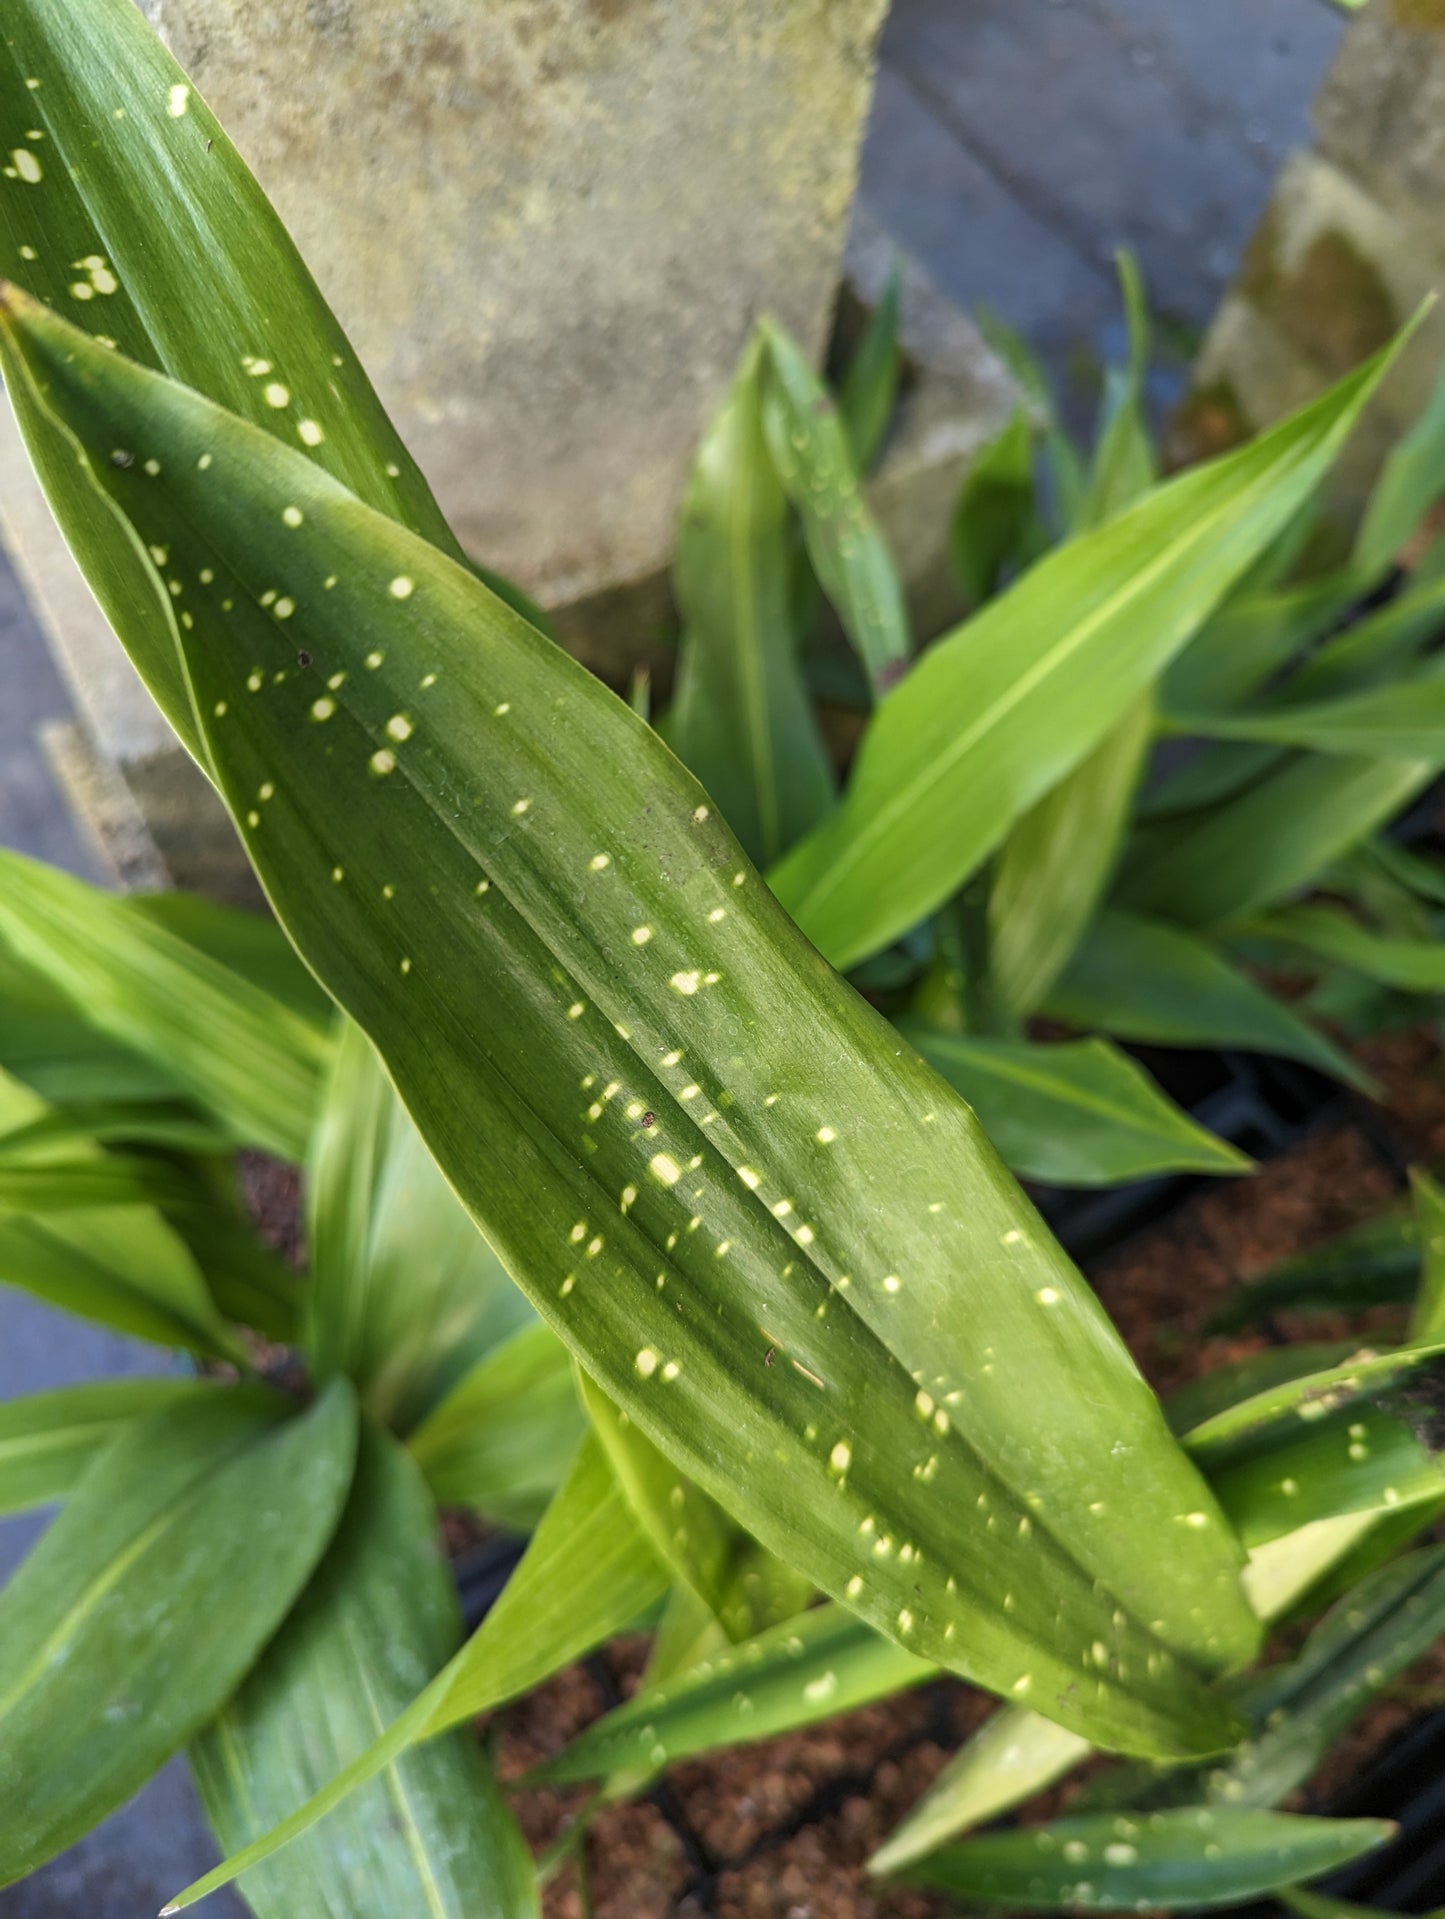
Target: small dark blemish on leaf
(649,1119)
(303,658)
(769,1355)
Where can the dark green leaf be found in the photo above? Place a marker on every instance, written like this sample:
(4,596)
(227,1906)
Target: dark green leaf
(1272,838)
(1412,480)
(996,714)
(1078,1114)
(1402,721)
(1371,1264)
(1203,1856)
(1247,641)
(48,1440)
(1123,465)
(742,720)
(1427,1322)
(1143,980)
(1418,966)
(539,838)
(151,1595)
(431,1834)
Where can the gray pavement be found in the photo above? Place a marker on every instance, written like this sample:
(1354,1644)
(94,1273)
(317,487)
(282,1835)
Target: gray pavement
(1014,145)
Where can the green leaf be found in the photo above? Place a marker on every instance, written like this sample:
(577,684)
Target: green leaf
(996,714)
(48,1440)
(742,720)
(1079,1113)
(812,458)
(1417,966)
(870,386)
(1123,465)
(1410,483)
(1382,643)
(503,1437)
(405,1295)
(1403,721)
(995,530)
(1318,1905)
(629,952)
(587,1575)
(1301,1709)
(130,154)
(1373,1263)
(1307,1397)
(1247,641)
(1272,838)
(1065,467)
(431,1834)
(1215,1392)
(1427,1322)
(1143,980)
(121,1265)
(806,1669)
(1356,1462)
(1283,1573)
(1057,863)
(151,1595)
(244,1056)
(1202,1856)
(1013,1756)
(251,944)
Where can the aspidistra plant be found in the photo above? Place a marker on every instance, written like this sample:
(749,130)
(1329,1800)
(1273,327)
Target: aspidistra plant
(771,1237)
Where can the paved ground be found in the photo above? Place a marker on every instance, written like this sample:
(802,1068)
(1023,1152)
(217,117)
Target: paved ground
(1014,145)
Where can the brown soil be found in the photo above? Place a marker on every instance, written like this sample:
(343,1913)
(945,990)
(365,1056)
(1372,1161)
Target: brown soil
(782,1830)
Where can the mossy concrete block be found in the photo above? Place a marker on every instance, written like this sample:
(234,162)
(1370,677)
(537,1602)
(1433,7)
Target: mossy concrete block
(548,225)
(1381,114)
(1334,274)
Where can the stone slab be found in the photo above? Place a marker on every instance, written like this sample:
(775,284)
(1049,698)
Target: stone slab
(548,225)
(1381,116)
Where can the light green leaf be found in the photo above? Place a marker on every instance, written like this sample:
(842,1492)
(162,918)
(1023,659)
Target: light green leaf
(1013,1756)
(1215,1392)
(503,1437)
(121,1265)
(1417,966)
(1123,465)
(1272,838)
(405,1295)
(742,720)
(1284,1572)
(1411,481)
(1402,721)
(1057,863)
(431,1834)
(48,1440)
(870,386)
(244,1056)
(812,458)
(1079,1113)
(995,530)
(251,944)
(151,1595)
(1203,1856)
(806,1669)
(130,152)
(996,714)
(1427,1322)
(1372,1263)
(588,1573)
(628,952)
(1144,980)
